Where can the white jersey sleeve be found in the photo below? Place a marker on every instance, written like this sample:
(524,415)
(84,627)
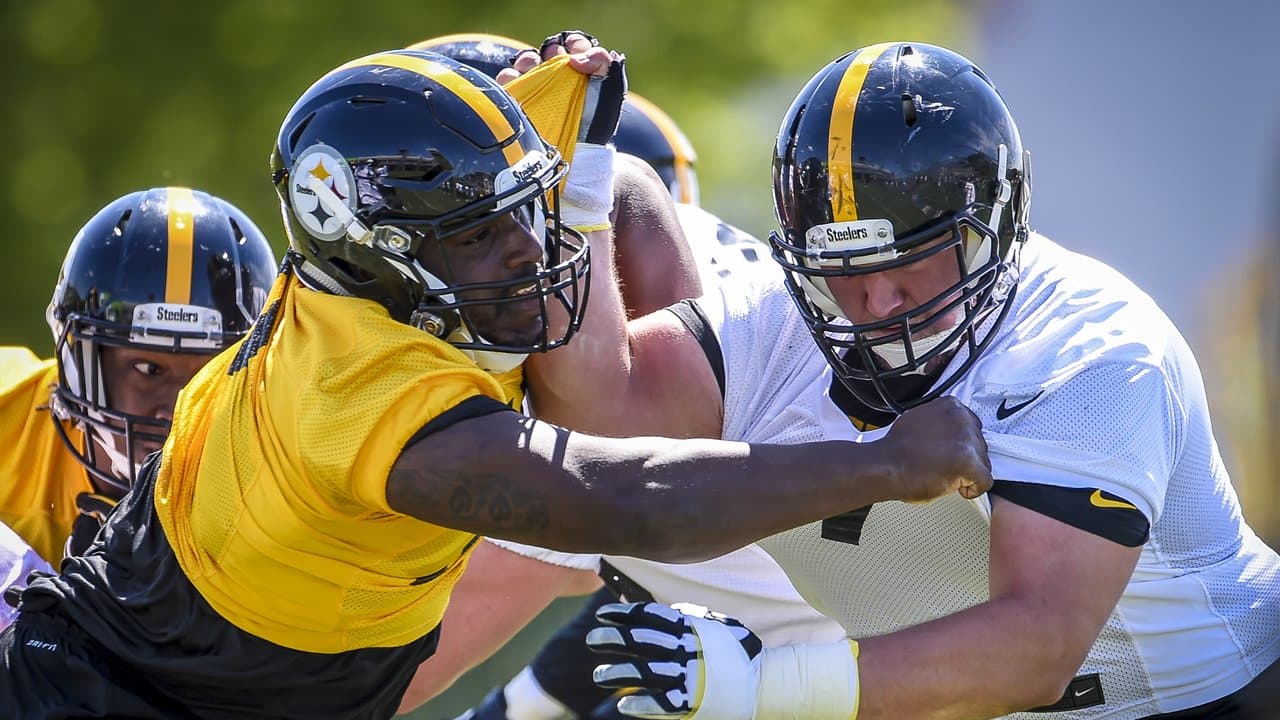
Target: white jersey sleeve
(720,250)
(1067,436)
(17,561)
(576,561)
(1087,385)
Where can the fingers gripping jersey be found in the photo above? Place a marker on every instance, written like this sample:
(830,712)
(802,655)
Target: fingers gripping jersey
(272,487)
(1087,386)
(553,96)
(39,479)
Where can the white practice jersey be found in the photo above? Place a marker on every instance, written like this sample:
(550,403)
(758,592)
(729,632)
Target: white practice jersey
(746,583)
(720,249)
(17,561)
(1087,385)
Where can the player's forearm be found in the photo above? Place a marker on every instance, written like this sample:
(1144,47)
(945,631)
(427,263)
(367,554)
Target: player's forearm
(691,500)
(510,477)
(990,660)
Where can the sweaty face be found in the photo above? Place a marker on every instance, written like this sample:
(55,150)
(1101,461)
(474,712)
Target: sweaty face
(505,249)
(145,383)
(903,292)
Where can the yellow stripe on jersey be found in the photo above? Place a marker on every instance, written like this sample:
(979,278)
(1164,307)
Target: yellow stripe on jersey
(474,97)
(684,153)
(181,203)
(844,206)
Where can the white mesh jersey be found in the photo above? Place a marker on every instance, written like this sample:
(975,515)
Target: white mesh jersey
(1116,403)
(720,249)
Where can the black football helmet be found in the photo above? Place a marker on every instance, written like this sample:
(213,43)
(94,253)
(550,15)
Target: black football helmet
(397,150)
(644,130)
(885,151)
(488,53)
(651,135)
(163,269)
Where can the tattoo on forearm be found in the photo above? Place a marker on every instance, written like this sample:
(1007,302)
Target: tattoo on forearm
(491,498)
(490,502)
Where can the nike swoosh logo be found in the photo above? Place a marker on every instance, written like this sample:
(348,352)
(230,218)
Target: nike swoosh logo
(1005,409)
(1097,500)
(1086,691)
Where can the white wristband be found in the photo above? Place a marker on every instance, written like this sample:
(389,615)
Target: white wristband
(528,700)
(810,682)
(587,198)
(576,561)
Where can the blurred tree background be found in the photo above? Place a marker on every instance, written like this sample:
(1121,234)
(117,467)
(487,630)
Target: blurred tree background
(106,97)
(111,96)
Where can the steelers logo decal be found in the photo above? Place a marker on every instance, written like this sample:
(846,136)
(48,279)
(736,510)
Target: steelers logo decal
(321,190)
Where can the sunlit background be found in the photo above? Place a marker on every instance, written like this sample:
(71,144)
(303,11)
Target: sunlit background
(1154,127)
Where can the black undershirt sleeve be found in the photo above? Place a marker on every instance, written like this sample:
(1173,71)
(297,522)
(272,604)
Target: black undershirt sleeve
(474,406)
(1088,509)
(694,319)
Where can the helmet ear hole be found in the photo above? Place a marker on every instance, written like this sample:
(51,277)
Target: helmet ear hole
(909,103)
(353,273)
(297,132)
(122,223)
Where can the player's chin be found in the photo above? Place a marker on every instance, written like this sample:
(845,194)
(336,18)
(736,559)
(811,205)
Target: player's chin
(515,329)
(142,451)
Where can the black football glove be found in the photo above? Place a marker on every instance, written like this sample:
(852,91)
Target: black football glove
(603,107)
(686,661)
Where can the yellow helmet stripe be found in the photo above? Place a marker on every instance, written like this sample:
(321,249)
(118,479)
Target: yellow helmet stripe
(844,206)
(474,97)
(684,154)
(182,227)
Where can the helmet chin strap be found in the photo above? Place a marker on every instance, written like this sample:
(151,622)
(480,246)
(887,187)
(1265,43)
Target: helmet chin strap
(122,467)
(895,353)
(496,362)
(492,362)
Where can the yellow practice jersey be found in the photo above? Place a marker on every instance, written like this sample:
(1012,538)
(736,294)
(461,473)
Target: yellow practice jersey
(272,486)
(39,477)
(553,96)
